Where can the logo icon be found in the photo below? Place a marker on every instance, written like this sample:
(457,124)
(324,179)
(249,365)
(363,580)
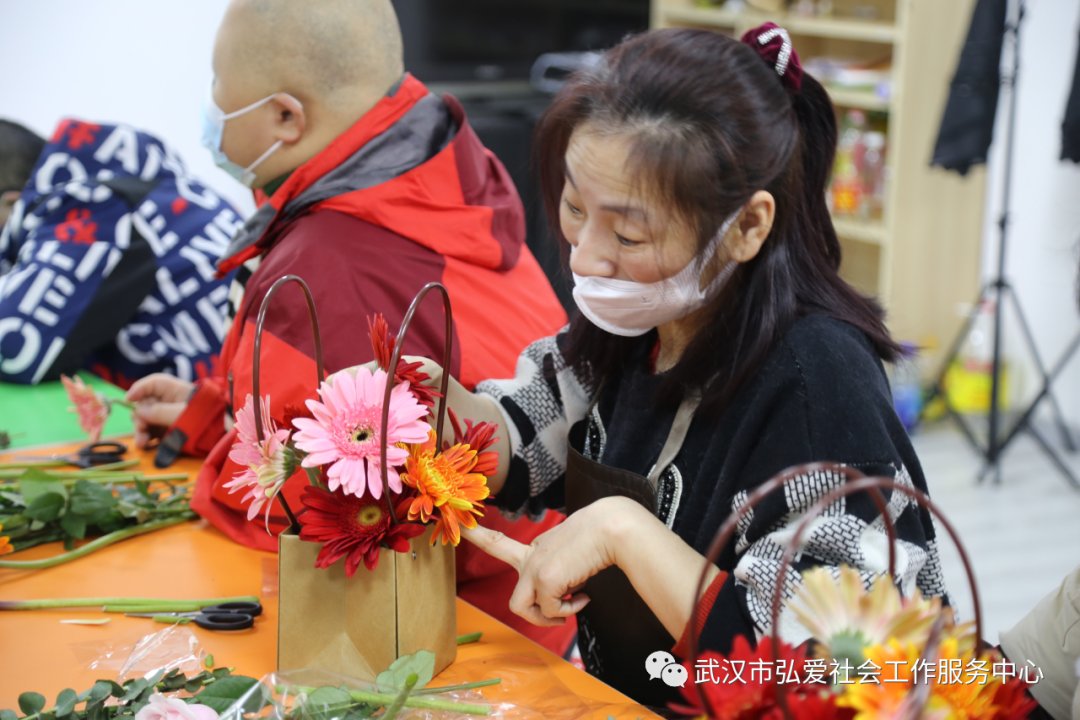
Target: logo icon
(662,665)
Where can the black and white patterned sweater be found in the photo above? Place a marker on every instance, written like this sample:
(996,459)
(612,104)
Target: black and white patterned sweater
(822,395)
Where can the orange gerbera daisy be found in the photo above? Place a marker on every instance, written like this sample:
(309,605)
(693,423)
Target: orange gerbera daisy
(5,544)
(448,482)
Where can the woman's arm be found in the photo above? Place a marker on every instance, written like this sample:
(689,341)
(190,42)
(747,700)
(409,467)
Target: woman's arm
(468,405)
(617,531)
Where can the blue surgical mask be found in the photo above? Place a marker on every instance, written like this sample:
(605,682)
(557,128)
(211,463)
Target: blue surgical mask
(213,119)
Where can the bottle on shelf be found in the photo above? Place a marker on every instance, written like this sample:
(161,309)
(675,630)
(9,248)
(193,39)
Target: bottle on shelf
(872,198)
(846,189)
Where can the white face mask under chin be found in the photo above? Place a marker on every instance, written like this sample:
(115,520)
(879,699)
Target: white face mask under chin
(628,308)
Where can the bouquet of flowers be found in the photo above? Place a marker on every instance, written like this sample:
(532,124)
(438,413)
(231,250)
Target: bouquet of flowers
(872,652)
(378,471)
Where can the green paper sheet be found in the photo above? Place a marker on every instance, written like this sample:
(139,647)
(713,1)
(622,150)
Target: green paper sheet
(38,414)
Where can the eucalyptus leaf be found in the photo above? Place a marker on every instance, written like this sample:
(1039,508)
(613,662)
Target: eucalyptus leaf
(46,507)
(31,702)
(421,663)
(103,689)
(222,694)
(65,702)
(9,715)
(327,703)
(134,688)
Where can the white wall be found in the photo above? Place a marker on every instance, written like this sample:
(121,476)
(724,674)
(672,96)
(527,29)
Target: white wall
(1044,230)
(143,63)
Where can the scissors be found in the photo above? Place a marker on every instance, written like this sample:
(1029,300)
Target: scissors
(226,616)
(99,453)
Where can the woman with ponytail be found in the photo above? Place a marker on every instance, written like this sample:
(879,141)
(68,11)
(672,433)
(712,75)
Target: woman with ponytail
(716,346)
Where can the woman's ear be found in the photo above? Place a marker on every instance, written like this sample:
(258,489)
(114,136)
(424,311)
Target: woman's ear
(289,118)
(753,227)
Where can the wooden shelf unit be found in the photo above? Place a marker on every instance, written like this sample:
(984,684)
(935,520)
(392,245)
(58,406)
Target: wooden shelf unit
(922,257)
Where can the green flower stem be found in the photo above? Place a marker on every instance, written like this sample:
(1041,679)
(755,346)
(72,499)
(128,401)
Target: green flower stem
(394,707)
(469,638)
(456,688)
(374,698)
(384,699)
(27,464)
(124,604)
(103,541)
(9,480)
(118,465)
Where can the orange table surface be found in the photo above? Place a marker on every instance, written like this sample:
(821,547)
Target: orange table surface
(194,560)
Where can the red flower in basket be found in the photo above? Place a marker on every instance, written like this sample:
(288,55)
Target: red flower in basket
(742,686)
(351,527)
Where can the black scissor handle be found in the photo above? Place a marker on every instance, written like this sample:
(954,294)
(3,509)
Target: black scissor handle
(101,453)
(240,607)
(224,620)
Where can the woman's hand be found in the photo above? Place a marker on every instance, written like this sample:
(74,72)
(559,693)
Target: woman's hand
(159,401)
(552,570)
(615,530)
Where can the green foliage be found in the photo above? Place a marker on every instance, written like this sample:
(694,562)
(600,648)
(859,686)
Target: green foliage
(220,690)
(394,678)
(41,507)
(109,700)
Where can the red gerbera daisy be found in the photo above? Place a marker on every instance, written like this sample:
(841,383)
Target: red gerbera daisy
(750,696)
(478,436)
(383,346)
(351,527)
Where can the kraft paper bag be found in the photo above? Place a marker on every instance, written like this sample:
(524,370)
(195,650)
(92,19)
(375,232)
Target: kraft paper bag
(357,626)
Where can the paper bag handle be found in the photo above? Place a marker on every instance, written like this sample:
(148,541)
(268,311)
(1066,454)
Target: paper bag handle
(395,357)
(856,482)
(260,431)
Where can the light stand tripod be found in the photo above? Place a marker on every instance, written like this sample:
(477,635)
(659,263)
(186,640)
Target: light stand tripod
(1000,289)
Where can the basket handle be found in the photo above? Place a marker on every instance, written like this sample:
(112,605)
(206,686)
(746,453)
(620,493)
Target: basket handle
(399,345)
(723,537)
(260,431)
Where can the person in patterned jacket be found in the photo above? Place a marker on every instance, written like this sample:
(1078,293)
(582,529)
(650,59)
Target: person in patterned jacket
(107,256)
(373,187)
(717,347)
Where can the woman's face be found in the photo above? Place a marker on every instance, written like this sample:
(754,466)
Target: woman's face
(614,227)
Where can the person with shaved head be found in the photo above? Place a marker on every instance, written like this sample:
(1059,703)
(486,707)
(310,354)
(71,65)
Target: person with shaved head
(370,187)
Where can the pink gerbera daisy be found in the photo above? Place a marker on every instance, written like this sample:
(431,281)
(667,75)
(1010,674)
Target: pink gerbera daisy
(267,464)
(345,431)
(91,407)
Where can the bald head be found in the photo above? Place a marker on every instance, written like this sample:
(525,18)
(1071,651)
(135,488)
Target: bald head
(342,55)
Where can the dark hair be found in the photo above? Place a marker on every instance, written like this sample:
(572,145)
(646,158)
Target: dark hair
(710,123)
(20,148)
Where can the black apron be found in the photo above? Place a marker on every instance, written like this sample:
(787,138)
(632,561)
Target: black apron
(617,631)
